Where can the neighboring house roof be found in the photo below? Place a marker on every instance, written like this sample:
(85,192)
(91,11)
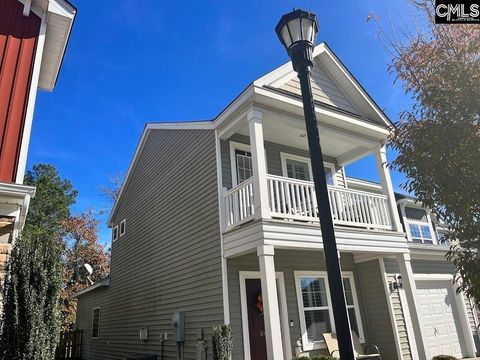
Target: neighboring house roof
(99,284)
(344,95)
(400,197)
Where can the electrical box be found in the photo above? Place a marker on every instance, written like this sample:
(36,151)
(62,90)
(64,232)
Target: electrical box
(178,323)
(143,334)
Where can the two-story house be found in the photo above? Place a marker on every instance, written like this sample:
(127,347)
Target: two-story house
(33,39)
(218,220)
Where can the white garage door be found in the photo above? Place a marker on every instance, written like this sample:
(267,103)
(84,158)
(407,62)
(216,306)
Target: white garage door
(438,308)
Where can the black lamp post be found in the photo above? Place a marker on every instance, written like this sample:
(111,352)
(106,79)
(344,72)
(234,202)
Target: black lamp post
(297,31)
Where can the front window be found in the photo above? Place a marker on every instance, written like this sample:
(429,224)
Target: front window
(316,309)
(244,166)
(298,167)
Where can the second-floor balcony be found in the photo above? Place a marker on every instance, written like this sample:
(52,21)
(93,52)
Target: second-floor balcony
(295,200)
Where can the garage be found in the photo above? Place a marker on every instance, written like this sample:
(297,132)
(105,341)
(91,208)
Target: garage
(441,321)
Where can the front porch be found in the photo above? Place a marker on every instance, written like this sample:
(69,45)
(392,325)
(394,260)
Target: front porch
(279,303)
(304,306)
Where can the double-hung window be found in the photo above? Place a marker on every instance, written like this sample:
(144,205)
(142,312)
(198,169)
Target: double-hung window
(315,307)
(419,225)
(300,168)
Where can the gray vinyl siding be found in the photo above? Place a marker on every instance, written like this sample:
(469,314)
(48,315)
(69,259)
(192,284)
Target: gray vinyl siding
(400,321)
(324,89)
(421,267)
(169,258)
(273,153)
(378,315)
(286,261)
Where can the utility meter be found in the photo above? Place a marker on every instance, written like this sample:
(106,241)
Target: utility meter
(178,323)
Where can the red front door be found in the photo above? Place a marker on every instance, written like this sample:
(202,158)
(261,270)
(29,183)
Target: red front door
(256,324)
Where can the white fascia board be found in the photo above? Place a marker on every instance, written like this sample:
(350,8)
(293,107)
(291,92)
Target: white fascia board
(346,73)
(266,96)
(187,125)
(239,102)
(53,57)
(62,8)
(103,283)
(17,190)
(285,72)
(133,162)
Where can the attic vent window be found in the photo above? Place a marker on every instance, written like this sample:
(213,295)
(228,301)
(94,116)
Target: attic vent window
(123,227)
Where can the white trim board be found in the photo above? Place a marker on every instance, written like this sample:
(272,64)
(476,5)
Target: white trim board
(287,347)
(221,212)
(396,336)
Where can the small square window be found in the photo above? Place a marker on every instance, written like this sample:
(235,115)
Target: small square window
(115,233)
(123,227)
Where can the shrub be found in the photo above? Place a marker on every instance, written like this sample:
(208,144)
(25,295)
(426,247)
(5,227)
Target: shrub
(444,357)
(222,342)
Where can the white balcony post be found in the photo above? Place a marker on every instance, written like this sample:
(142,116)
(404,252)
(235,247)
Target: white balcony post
(387,187)
(260,186)
(271,313)
(410,288)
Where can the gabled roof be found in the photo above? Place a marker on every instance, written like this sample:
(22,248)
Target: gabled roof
(332,83)
(325,60)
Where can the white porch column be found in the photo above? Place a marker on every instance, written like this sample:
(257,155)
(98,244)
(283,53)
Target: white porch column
(271,313)
(387,187)
(260,186)
(410,288)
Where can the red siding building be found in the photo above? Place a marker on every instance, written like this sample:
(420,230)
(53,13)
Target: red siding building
(33,38)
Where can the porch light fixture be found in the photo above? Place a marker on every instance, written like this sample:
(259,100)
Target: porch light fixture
(297,32)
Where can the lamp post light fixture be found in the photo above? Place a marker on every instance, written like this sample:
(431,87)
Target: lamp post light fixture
(297,31)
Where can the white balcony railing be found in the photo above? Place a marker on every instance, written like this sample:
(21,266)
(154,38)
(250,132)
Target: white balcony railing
(295,200)
(239,203)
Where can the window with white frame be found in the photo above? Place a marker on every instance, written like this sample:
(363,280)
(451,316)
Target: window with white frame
(96,323)
(300,168)
(123,227)
(315,307)
(115,233)
(244,167)
(418,225)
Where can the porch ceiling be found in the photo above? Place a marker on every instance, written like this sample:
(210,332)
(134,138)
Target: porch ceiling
(339,143)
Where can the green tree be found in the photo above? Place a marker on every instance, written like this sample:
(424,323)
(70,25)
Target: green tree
(31,319)
(438,140)
(80,247)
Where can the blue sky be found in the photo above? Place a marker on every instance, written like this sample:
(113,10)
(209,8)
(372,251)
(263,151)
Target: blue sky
(129,62)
